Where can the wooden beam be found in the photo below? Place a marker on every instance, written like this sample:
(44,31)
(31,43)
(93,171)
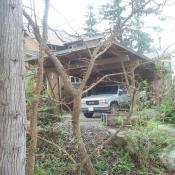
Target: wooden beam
(100,62)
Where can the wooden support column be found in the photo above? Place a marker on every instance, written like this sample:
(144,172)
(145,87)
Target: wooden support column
(53,85)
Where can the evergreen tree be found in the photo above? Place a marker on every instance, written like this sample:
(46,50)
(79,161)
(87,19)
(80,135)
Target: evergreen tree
(90,22)
(126,19)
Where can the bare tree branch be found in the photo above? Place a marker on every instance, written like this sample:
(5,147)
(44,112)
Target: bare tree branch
(133,12)
(106,142)
(39,86)
(98,51)
(100,80)
(59,67)
(59,148)
(125,73)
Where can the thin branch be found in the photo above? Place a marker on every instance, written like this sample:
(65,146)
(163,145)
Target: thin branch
(35,12)
(59,148)
(165,50)
(133,12)
(96,54)
(100,80)
(58,65)
(118,130)
(125,73)
(33,25)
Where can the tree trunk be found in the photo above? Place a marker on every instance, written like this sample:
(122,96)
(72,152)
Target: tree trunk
(33,120)
(88,167)
(12,97)
(133,88)
(38,90)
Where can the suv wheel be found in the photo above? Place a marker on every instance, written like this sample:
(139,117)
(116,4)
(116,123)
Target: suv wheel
(114,108)
(88,115)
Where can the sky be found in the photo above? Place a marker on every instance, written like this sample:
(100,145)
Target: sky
(69,15)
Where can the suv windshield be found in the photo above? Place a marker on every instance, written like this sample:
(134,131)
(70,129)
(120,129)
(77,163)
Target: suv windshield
(105,90)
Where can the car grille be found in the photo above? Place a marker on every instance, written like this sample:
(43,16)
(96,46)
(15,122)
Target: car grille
(95,102)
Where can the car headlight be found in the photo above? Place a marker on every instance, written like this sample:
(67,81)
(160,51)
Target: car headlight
(103,101)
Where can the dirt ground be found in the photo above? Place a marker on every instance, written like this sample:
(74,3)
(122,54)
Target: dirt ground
(86,122)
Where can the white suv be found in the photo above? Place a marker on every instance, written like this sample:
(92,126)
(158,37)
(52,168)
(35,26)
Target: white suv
(105,99)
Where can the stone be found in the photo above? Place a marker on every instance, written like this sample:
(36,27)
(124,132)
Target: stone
(120,139)
(167,157)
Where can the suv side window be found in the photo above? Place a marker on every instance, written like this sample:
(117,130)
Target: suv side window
(124,89)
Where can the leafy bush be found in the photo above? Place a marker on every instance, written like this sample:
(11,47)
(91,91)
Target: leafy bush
(52,165)
(113,160)
(168,110)
(124,164)
(49,114)
(100,167)
(29,91)
(146,141)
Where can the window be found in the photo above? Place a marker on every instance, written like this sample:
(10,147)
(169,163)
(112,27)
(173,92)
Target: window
(53,47)
(106,90)
(74,80)
(72,46)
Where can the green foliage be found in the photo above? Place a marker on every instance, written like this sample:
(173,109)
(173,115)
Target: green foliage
(113,160)
(143,101)
(100,167)
(90,22)
(124,164)
(121,164)
(130,32)
(120,120)
(167,109)
(145,141)
(143,171)
(40,171)
(52,165)
(29,91)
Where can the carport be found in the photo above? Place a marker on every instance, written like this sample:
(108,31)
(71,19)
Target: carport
(75,59)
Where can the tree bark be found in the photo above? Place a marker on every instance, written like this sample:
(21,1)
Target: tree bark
(38,90)
(12,96)
(33,120)
(88,167)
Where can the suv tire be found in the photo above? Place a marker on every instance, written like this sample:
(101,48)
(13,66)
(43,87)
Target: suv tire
(88,115)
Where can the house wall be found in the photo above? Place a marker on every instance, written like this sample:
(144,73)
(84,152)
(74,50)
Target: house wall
(30,44)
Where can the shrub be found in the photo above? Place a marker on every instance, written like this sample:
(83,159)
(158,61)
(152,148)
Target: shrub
(146,141)
(123,165)
(100,167)
(52,165)
(168,110)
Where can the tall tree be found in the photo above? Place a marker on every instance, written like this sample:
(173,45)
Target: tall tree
(38,90)
(75,92)
(12,97)
(126,19)
(90,22)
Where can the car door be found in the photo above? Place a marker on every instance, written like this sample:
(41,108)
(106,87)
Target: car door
(123,95)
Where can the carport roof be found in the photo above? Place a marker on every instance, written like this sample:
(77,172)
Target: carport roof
(116,49)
